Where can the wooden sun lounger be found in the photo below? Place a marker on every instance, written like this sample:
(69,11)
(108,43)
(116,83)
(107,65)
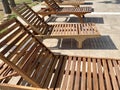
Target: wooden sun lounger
(75,3)
(55,9)
(78,31)
(22,51)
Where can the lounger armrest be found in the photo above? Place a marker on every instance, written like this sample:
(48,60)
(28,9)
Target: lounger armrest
(45,9)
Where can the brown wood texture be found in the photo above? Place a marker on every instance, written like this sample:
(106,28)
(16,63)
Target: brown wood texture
(44,30)
(39,67)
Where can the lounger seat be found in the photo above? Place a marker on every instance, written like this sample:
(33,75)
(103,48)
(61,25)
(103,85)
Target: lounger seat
(77,31)
(41,68)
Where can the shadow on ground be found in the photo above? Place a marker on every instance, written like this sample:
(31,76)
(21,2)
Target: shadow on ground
(98,20)
(103,42)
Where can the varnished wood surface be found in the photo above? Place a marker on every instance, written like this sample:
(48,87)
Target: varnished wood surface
(37,65)
(44,30)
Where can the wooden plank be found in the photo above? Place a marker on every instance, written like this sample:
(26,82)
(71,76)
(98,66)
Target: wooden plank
(107,77)
(51,72)
(117,71)
(24,11)
(10,37)
(8,30)
(43,71)
(65,82)
(26,57)
(112,75)
(7,76)
(14,80)
(21,52)
(83,80)
(77,79)
(19,71)
(71,82)
(4,67)
(45,76)
(100,73)
(95,78)
(13,42)
(56,73)
(89,80)
(32,61)
(43,68)
(61,73)
(18,46)
(6,24)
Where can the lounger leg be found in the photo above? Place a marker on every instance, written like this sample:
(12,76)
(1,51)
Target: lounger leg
(49,15)
(81,19)
(79,42)
(83,16)
(76,5)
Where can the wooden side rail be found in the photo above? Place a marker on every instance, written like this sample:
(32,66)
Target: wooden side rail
(17,87)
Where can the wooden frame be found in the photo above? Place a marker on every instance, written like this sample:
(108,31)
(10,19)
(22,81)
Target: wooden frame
(78,31)
(6,71)
(54,8)
(22,51)
(32,60)
(17,87)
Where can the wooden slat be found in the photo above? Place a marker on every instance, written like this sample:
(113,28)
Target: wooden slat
(56,73)
(10,37)
(89,80)
(71,82)
(100,72)
(65,82)
(51,73)
(18,46)
(83,81)
(18,55)
(112,75)
(13,43)
(26,57)
(117,71)
(61,73)
(95,79)
(77,79)
(107,77)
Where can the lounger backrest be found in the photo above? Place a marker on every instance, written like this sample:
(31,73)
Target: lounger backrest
(24,53)
(31,18)
(52,5)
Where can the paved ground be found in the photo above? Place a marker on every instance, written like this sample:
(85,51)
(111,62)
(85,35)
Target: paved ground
(106,16)
(1,12)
